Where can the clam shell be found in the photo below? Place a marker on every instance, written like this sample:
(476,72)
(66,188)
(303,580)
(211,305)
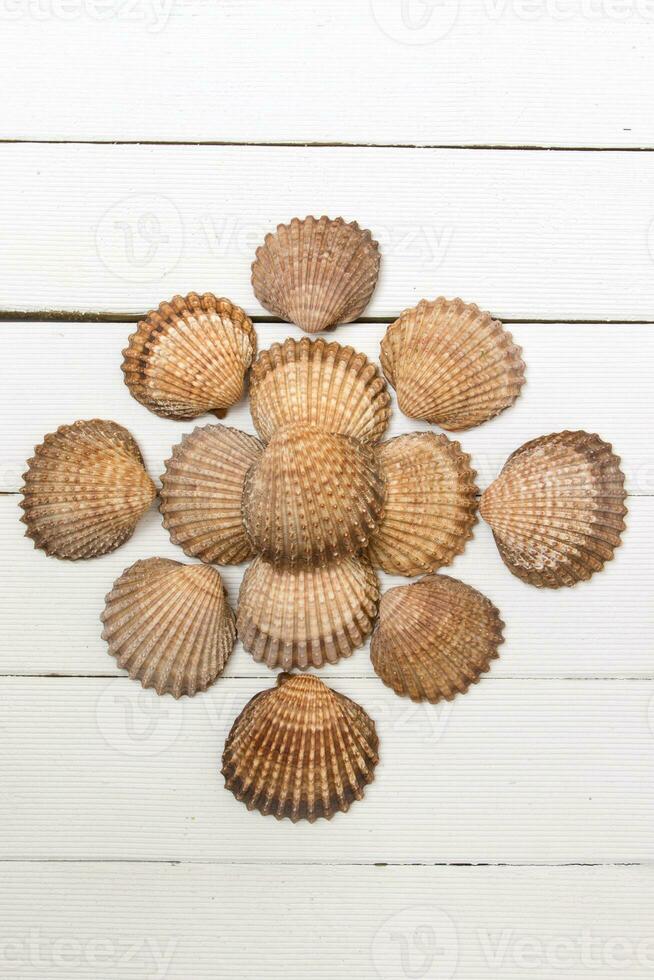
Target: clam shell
(309,616)
(557,508)
(85,490)
(169,625)
(313,496)
(190,356)
(434,638)
(431,504)
(320,384)
(451,364)
(202,490)
(317,272)
(300,750)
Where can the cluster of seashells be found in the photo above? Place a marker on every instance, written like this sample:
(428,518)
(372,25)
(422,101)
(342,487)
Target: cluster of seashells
(318,501)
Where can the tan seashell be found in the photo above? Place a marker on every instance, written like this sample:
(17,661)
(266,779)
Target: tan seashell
(190,356)
(300,750)
(321,384)
(312,497)
(451,364)
(317,272)
(309,616)
(169,625)
(431,504)
(85,490)
(201,493)
(557,508)
(434,638)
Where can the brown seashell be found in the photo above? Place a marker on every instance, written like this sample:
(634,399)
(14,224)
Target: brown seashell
(312,497)
(300,750)
(557,508)
(434,638)
(309,616)
(201,493)
(85,490)
(169,625)
(431,504)
(451,364)
(190,356)
(316,272)
(321,384)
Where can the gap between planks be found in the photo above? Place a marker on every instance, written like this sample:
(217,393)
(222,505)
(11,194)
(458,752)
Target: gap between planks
(318,144)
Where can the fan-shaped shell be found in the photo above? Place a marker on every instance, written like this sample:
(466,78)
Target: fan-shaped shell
(434,638)
(300,750)
(169,625)
(431,504)
(316,272)
(557,508)
(202,490)
(451,364)
(312,497)
(321,384)
(85,490)
(190,356)
(309,616)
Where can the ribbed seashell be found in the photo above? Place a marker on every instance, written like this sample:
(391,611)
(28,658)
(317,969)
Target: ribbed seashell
(316,272)
(321,384)
(431,504)
(169,625)
(201,493)
(300,750)
(313,496)
(434,638)
(451,364)
(309,616)
(85,490)
(190,356)
(557,508)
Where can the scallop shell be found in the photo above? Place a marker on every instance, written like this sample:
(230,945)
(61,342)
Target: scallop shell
(312,497)
(320,384)
(431,504)
(434,638)
(557,508)
(451,364)
(316,272)
(309,616)
(300,750)
(169,625)
(190,356)
(85,490)
(202,490)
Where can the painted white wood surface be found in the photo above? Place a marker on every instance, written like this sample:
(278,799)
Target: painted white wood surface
(543,72)
(531,235)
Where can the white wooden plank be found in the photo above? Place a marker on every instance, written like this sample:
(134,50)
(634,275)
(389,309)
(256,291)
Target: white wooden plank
(527,235)
(483,71)
(514,772)
(392,922)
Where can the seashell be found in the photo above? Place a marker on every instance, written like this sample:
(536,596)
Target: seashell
(434,638)
(300,750)
(316,272)
(320,384)
(190,356)
(202,490)
(85,490)
(306,617)
(451,364)
(557,508)
(169,625)
(431,504)
(313,496)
